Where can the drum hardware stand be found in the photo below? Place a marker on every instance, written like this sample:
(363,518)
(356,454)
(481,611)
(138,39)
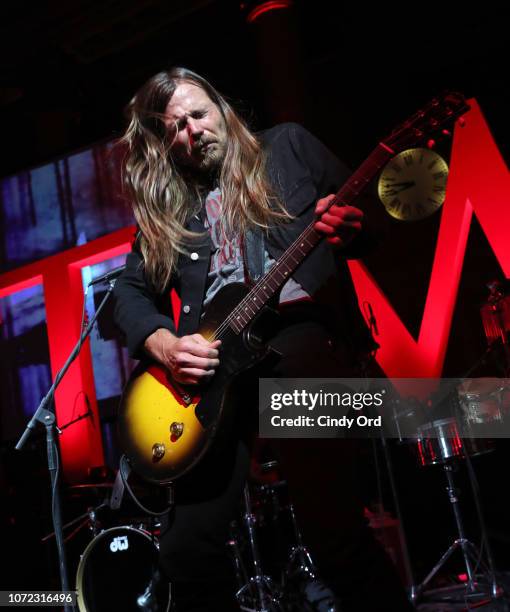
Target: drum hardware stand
(495,590)
(470,552)
(45,415)
(490,571)
(471,555)
(411,586)
(299,554)
(305,567)
(88,519)
(240,569)
(258,593)
(412,589)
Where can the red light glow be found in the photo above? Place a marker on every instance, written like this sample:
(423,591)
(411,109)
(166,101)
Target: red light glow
(80,445)
(265,7)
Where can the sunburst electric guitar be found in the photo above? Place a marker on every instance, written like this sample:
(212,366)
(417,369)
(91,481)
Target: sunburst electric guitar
(165,428)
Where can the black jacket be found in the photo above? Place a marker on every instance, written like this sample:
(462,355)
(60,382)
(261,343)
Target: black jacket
(302,170)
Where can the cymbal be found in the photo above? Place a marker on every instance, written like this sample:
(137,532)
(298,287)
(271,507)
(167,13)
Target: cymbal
(483,385)
(85,488)
(102,486)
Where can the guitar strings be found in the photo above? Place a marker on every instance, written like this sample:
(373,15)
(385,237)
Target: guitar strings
(217,334)
(223,327)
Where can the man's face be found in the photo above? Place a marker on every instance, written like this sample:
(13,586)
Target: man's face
(196,128)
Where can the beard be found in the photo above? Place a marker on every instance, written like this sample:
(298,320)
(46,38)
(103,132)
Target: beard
(212,158)
(204,165)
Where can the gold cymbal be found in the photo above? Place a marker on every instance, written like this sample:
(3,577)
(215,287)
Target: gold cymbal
(84,488)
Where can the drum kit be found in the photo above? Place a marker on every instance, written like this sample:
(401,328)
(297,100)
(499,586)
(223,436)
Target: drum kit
(481,406)
(275,571)
(117,567)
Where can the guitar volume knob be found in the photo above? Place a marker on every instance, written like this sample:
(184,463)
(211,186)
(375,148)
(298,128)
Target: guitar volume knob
(176,429)
(158,451)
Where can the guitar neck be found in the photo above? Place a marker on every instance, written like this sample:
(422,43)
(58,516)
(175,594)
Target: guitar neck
(269,284)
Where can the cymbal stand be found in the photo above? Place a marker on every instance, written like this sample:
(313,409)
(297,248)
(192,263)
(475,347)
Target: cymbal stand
(259,593)
(240,568)
(299,556)
(88,519)
(301,567)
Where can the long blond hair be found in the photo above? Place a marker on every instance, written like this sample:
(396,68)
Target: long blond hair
(163,199)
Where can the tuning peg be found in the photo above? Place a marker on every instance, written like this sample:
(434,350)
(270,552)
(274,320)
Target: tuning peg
(431,143)
(461,121)
(446,133)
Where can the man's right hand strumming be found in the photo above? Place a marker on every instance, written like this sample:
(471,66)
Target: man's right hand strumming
(191,359)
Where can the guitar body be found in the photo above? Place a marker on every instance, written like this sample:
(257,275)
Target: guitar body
(165,428)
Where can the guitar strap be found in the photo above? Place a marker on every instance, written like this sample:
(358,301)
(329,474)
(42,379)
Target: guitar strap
(121,485)
(254,253)
(118,490)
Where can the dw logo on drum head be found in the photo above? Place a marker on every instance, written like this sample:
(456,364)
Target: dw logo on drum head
(119,543)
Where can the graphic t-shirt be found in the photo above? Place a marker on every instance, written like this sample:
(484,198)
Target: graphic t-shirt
(227,263)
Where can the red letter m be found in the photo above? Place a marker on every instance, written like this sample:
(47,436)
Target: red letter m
(479,182)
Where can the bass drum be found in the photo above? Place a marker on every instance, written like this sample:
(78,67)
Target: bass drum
(118,571)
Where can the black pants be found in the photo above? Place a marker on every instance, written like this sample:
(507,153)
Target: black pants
(193,552)
(322,485)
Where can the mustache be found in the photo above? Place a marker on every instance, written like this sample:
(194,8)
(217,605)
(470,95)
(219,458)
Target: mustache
(201,144)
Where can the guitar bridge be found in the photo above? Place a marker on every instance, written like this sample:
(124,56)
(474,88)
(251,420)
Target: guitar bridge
(185,396)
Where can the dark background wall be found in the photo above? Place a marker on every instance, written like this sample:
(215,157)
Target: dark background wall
(68,68)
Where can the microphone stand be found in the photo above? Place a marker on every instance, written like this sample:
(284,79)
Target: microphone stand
(46,416)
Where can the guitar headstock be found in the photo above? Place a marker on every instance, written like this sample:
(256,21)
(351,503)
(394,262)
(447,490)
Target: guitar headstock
(432,118)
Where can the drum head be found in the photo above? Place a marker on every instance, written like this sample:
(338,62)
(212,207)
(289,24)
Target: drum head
(116,570)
